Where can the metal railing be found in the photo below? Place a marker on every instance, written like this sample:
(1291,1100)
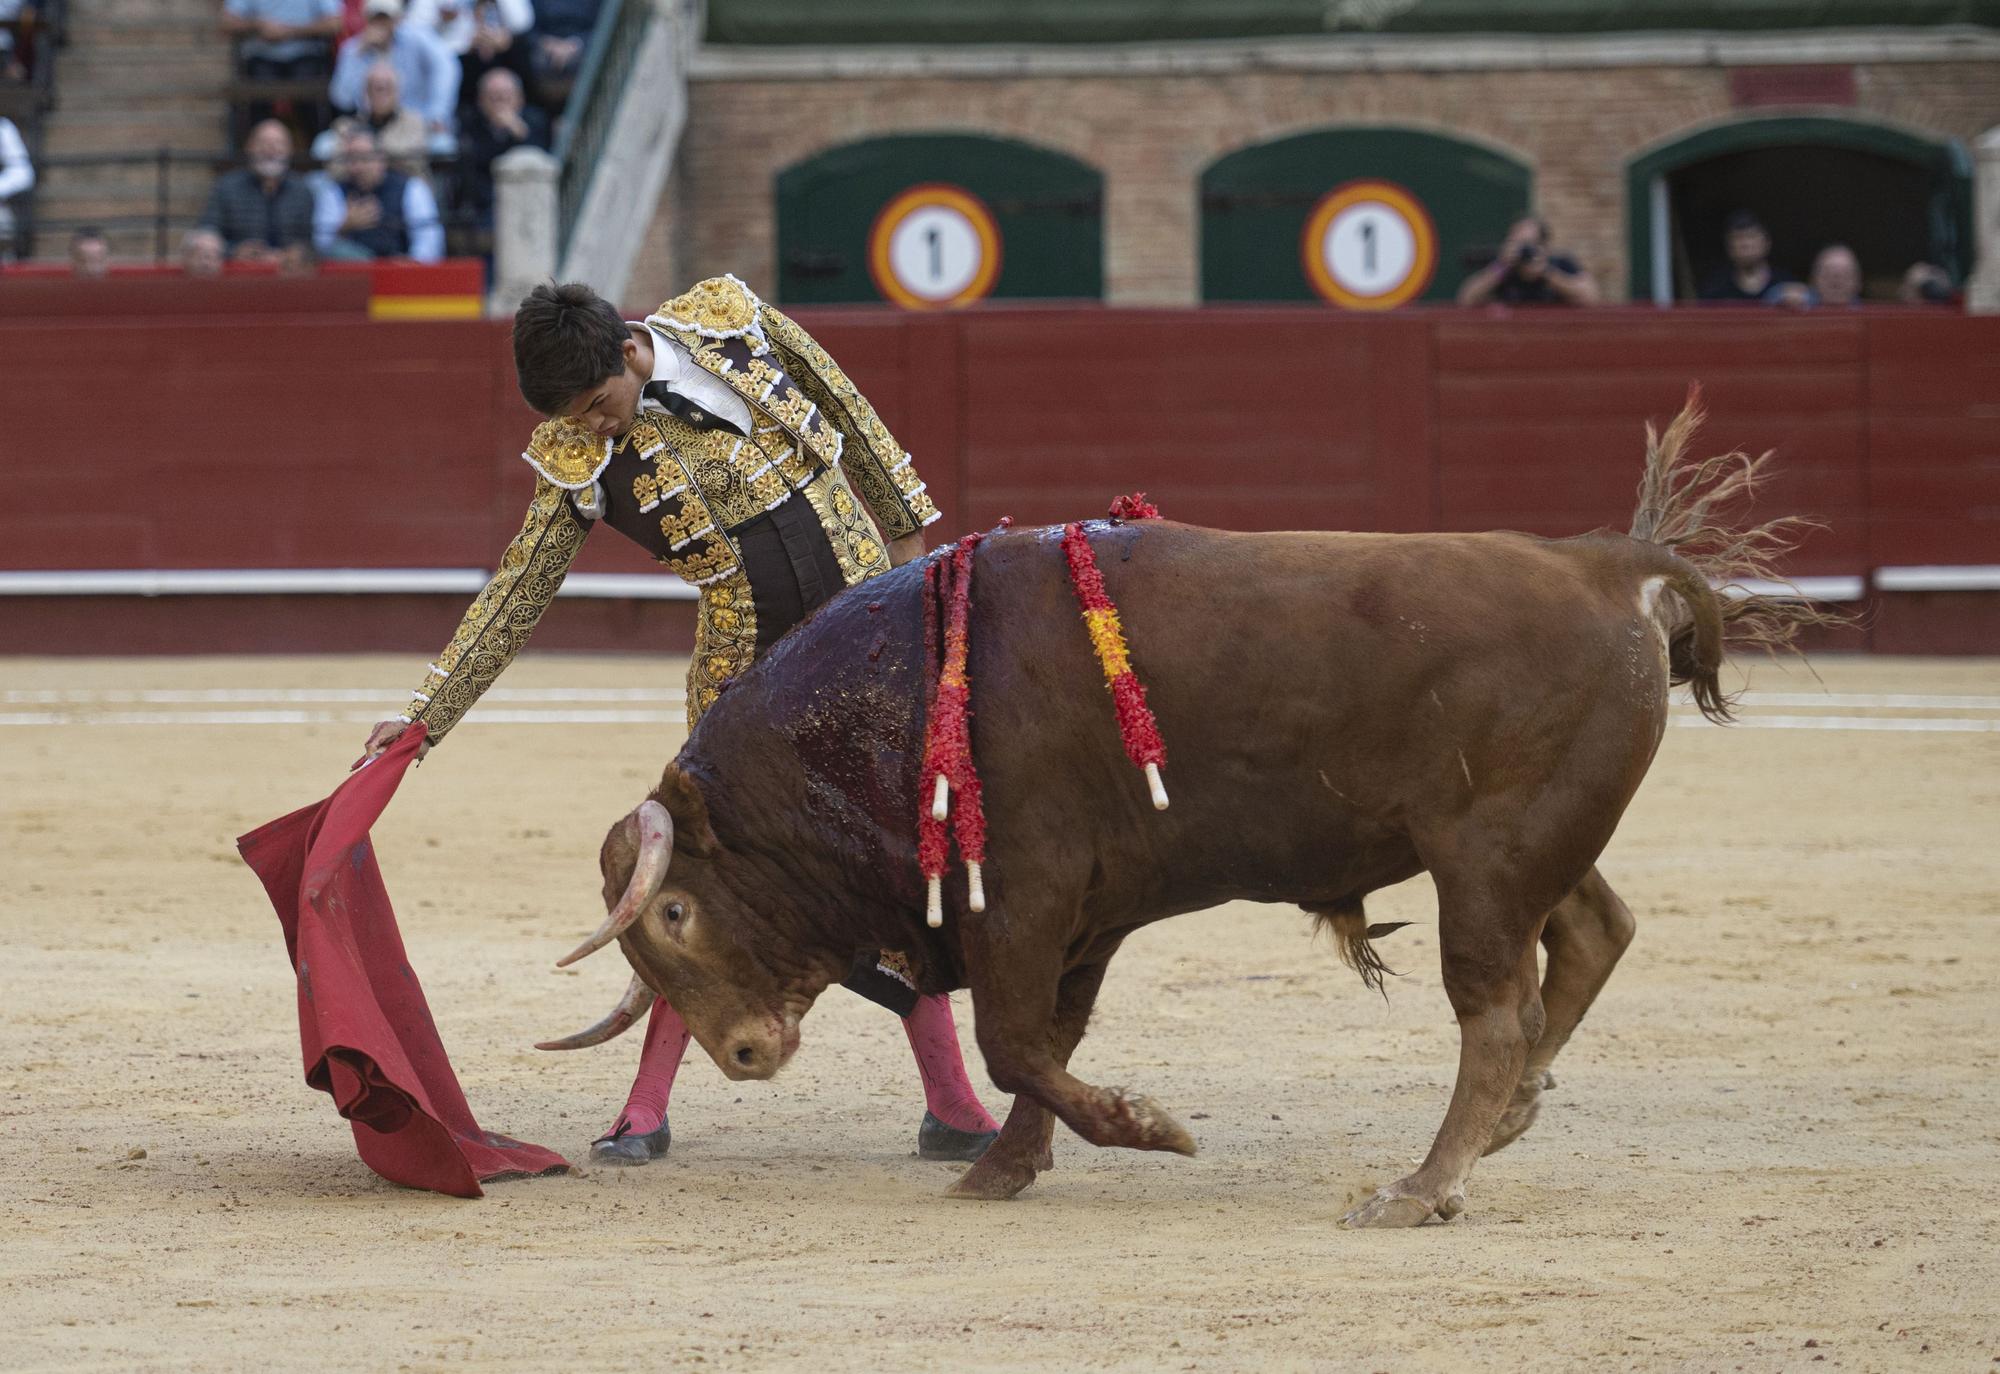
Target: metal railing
(593,105)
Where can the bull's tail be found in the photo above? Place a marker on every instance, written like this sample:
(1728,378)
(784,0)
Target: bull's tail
(1693,508)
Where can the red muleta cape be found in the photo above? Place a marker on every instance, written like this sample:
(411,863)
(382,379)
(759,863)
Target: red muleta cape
(368,1036)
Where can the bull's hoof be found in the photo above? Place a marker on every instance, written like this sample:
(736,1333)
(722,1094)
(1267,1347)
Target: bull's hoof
(936,1140)
(1514,1123)
(1391,1207)
(1144,1124)
(992,1179)
(627,1149)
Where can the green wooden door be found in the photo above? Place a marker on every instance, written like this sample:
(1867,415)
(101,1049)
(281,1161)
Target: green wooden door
(939,220)
(1391,214)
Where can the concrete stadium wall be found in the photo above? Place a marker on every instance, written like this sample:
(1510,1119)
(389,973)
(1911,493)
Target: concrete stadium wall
(321,441)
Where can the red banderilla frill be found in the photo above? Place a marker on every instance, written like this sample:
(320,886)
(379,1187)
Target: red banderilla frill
(948,735)
(1135,719)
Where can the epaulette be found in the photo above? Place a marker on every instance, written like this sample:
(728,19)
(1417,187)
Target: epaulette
(567,453)
(719,308)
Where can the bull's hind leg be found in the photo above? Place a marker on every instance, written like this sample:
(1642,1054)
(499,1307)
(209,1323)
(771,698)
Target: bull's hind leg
(1488,948)
(1586,933)
(1026,1142)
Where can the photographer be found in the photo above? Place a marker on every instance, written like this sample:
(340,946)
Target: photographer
(1527,273)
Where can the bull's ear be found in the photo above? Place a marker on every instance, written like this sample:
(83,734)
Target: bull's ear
(681,795)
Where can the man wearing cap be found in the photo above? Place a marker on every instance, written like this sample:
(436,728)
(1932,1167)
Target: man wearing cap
(428,72)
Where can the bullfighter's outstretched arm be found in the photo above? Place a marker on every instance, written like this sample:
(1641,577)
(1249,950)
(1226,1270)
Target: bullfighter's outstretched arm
(505,613)
(877,467)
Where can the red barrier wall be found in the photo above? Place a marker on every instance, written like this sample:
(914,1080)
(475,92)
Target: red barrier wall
(319,439)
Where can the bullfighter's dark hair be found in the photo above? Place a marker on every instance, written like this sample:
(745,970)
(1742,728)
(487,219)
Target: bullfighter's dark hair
(567,339)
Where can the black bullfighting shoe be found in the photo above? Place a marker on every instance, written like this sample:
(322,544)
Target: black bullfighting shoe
(625,1148)
(935,1140)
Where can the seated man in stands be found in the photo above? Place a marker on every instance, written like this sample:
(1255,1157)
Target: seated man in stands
(89,253)
(481,34)
(202,253)
(1750,275)
(263,208)
(400,131)
(17,175)
(562,27)
(502,121)
(369,210)
(283,39)
(1526,273)
(428,73)
(1836,277)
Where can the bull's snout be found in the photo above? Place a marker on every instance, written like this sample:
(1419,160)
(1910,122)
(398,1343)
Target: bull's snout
(757,1051)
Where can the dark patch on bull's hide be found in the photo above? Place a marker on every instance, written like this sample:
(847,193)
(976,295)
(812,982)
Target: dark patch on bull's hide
(849,706)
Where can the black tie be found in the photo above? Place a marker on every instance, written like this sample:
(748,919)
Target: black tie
(686,411)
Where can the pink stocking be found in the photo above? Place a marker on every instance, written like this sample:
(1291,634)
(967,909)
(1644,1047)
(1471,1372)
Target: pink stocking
(666,1042)
(947,1092)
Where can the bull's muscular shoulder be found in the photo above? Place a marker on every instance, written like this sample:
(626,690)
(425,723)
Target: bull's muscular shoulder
(719,308)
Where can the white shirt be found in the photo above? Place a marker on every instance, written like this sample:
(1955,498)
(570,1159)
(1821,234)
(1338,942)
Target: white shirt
(420,216)
(17,174)
(674,366)
(455,31)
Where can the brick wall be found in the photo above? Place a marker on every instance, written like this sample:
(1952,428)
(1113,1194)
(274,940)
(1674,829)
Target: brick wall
(1153,134)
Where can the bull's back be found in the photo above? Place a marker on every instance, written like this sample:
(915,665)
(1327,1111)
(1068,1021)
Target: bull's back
(1323,696)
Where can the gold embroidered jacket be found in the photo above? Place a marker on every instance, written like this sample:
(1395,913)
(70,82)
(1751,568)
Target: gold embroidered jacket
(767,525)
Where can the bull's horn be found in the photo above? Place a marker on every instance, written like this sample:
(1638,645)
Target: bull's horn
(629,1009)
(656,848)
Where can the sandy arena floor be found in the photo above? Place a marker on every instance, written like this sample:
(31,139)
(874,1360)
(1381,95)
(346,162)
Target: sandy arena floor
(1775,1142)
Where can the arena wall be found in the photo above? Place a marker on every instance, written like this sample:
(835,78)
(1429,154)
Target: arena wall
(324,443)
(1151,123)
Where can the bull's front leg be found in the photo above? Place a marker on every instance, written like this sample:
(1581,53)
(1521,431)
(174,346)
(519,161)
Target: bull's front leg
(1031,1015)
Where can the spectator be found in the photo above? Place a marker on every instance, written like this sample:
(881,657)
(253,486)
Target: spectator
(1927,284)
(502,121)
(17,174)
(1527,273)
(400,131)
(202,252)
(89,253)
(366,209)
(1836,277)
(481,34)
(1749,275)
(262,208)
(14,12)
(428,73)
(283,40)
(562,27)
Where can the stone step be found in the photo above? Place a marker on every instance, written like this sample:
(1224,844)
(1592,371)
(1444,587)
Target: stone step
(111,71)
(167,33)
(128,11)
(196,130)
(139,181)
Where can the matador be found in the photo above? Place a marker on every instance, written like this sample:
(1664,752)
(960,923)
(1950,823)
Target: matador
(718,436)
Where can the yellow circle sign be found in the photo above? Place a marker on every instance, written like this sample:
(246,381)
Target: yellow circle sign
(934,246)
(1369,245)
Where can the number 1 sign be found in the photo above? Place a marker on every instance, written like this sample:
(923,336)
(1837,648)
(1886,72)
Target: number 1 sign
(1369,245)
(934,245)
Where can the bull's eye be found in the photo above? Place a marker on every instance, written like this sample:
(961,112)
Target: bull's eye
(675,911)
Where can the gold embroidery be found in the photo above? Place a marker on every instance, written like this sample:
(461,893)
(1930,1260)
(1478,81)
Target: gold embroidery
(847,527)
(875,462)
(503,615)
(707,560)
(719,308)
(646,490)
(682,522)
(567,453)
(725,642)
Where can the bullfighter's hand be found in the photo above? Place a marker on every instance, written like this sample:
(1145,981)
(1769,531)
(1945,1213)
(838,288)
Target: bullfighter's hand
(381,737)
(908,547)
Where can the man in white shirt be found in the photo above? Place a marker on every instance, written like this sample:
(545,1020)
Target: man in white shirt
(17,174)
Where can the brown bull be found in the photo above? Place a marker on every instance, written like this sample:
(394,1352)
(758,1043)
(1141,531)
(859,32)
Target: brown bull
(1343,711)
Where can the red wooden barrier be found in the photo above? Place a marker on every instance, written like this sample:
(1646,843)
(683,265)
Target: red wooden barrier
(312,438)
